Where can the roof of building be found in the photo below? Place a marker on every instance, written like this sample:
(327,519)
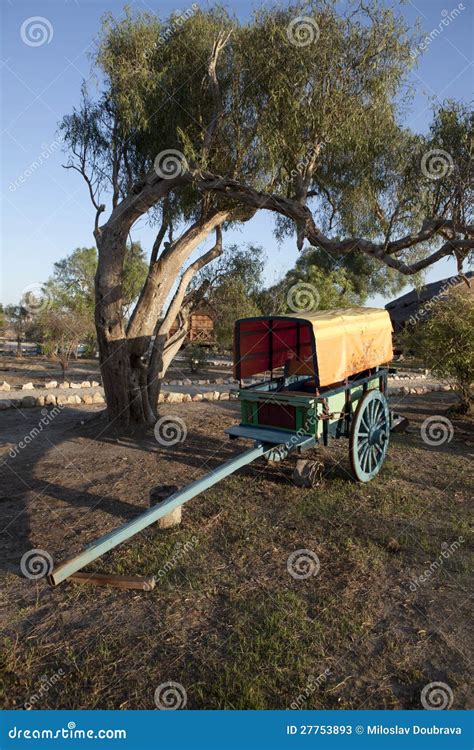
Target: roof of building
(408,304)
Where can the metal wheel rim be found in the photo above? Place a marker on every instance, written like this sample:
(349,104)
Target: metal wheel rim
(370,432)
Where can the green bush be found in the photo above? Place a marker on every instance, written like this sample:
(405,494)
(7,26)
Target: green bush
(196,358)
(445,341)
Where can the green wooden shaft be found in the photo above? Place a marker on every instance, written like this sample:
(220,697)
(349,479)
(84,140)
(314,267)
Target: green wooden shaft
(122,533)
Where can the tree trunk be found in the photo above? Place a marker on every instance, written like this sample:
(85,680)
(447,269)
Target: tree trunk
(132,373)
(113,347)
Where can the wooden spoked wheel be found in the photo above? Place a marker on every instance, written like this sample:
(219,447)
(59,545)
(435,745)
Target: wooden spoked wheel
(370,432)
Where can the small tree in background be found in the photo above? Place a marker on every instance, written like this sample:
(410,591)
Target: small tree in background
(62,332)
(72,284)
(17,318)
(446,343)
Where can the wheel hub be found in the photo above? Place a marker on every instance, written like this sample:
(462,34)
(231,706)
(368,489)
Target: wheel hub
(377,436)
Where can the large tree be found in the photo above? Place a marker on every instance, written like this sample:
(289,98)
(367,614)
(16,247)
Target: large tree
(203,121)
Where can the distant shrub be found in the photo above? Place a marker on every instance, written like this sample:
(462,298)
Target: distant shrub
(446,342)
(196,358)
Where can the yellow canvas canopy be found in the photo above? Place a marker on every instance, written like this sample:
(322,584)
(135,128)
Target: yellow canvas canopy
(330,345)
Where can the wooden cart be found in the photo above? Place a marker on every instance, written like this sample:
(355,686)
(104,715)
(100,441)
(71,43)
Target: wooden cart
(322,377)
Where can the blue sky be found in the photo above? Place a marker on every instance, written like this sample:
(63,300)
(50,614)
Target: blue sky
(46,212)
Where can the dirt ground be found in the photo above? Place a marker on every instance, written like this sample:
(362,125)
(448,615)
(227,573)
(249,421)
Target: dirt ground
(227,621)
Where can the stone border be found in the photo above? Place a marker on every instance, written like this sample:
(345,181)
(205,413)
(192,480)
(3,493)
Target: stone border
(50,384)
(50,399)
(171,397)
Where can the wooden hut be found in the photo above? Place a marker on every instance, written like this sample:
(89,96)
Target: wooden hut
(201,326)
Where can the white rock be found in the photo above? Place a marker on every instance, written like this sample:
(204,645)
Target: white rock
(64,384)
(224,396)
(94,384)
(173,398)
(27,387)
(74,385)
(98,398)
(4,386)
(61,400)
(171,519)
(85,384)
(73,399)
(50,398)
(51,384)
(88,398)
(40,401)
(197,397)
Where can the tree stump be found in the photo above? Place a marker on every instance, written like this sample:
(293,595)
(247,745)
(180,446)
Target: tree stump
(157,495)
(308,473)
